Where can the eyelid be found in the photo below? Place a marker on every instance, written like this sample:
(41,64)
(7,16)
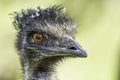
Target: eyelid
(45,35)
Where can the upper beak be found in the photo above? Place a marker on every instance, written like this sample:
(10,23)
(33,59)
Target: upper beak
(73,48)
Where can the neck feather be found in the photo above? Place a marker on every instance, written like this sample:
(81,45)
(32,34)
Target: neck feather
(39,76)
(43,69)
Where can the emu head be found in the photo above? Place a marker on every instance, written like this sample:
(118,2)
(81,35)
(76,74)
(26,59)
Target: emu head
(46,34)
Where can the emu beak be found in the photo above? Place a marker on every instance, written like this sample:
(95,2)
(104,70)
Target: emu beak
(73,48)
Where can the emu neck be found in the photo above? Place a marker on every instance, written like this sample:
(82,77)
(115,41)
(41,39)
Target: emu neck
(40,76)
(43,69)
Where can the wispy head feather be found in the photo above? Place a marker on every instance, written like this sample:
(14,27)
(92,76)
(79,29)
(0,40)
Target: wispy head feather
(51,16)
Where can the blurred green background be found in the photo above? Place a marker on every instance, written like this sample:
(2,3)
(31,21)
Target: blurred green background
(98,31)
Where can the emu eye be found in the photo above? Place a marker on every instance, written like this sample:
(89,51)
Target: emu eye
(37,37)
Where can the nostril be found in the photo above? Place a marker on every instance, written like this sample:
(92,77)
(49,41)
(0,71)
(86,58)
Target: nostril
(73,48)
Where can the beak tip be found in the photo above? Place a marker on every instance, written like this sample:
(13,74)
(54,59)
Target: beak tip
(84,54)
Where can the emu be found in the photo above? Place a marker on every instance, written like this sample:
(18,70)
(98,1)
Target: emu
(45,37)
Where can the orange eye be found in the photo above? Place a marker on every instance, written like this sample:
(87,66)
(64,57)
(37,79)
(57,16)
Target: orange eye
(37,37)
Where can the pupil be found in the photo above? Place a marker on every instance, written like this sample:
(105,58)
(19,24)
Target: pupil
(38,36)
